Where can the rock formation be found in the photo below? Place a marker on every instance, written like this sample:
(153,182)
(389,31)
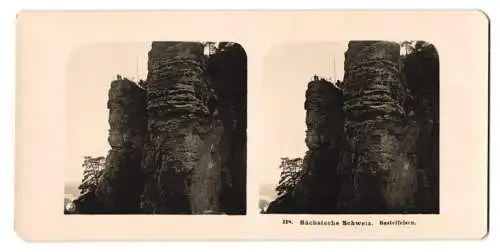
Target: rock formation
(195,155)
(178,140)
(421,72)
(374,146)
(378,164)
(324,120)
(177,156)
(122,182)
(227,69)
(317,191)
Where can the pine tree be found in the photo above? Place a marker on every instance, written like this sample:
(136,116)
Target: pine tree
(92,174)
(291,174)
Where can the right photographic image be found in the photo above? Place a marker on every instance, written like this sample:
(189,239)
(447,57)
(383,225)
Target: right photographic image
(356,125)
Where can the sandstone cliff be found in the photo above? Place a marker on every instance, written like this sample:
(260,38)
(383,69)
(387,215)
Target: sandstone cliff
(195,155)
(178,122)
(123,180)
(318,189)
(178,140)
(374,146)
(121,184)
(378,164)
(227,70)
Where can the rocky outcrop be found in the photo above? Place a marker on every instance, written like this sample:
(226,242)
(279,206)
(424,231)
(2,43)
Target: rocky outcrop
(178,140)
(324,119)
(318,189)
(380,135)
(182,176)
(421,72)
(122,182)
(227,70)
(378,167)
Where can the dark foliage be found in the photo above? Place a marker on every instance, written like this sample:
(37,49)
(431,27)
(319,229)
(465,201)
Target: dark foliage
(88,202)
(123,182)
(421,73)
(92,173)
(227,72)
(292,173)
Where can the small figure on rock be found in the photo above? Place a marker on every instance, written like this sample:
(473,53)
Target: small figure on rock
(118,77)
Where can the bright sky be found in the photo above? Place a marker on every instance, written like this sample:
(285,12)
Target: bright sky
(287,71)
(90,71)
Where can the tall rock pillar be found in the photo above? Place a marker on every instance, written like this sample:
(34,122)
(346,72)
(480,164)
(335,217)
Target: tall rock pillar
(181,162)
(122,182)
(318,189)
(378,163)
(324,121)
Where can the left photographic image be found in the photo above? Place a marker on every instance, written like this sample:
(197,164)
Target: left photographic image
(157,127)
